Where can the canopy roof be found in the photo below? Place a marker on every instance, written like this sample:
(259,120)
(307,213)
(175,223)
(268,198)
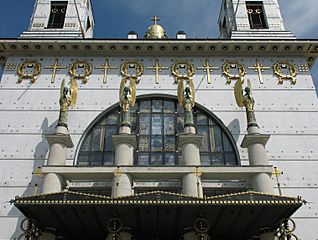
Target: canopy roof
(153,214)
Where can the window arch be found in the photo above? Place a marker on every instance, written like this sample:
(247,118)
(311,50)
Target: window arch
(157,122)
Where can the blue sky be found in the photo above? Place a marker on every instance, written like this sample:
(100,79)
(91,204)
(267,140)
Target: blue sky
(198,18)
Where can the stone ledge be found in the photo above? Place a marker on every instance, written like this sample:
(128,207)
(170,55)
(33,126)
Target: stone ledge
(124,139)
(253,139)
(60,138)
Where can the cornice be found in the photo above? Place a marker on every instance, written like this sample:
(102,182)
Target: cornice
(144,47)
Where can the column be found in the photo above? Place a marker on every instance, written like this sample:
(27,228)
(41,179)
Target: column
(59,142)
(190,145)
(255,142)
(124,144)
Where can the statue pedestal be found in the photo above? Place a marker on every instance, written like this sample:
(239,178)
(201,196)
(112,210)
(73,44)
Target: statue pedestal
(255,142)
(124,156)
(59,142)
(190,145)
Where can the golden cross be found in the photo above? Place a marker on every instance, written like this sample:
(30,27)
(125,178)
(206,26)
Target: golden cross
(259,68)
(157,68)
(155,19)
(37,173)
(276,172)
(106,68)
(55,67)
(208,68)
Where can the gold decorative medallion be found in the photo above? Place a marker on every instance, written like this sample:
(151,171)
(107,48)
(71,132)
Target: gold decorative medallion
(29,69)
(230,66)
(80,70)
(281,68)
(132,70)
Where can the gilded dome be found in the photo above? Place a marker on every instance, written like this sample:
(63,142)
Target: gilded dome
(155,31)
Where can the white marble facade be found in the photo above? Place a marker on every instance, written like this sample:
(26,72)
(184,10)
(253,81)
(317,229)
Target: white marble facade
(288,112)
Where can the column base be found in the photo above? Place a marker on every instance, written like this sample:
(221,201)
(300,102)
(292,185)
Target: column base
(262,182)
(122,185)
(52,183)
(192,186)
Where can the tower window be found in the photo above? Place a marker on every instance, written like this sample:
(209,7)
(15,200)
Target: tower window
(256,15)
(57,15)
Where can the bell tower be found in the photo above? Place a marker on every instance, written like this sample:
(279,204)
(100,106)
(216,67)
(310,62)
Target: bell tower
(252,19)
(61,19)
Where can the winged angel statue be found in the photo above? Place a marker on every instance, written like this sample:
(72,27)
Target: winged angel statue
(127,99)
(68,97)
(186,99)
(246,101)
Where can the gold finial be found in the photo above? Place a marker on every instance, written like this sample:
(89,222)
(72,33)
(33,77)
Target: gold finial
(155,19)
(276,172)
(37,173)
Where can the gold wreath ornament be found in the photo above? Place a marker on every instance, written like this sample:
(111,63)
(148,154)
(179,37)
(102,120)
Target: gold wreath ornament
(88,69)
(29,64)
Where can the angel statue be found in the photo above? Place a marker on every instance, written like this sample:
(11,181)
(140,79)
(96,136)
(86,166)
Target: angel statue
(246,101)
(68,97)
(127,99)
(186,99)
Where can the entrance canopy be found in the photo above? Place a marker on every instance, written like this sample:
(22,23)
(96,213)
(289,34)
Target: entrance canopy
(157,215)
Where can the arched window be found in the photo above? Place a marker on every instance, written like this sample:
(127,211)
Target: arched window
(157,123)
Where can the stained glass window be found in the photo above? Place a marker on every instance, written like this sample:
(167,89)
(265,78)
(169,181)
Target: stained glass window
(157,123)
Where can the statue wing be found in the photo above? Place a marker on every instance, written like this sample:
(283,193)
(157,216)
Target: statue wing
(180,92)
(74,92)
(238,92)
(132,86)
(62,88)
(192,90)
(121,90)
(250,87)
